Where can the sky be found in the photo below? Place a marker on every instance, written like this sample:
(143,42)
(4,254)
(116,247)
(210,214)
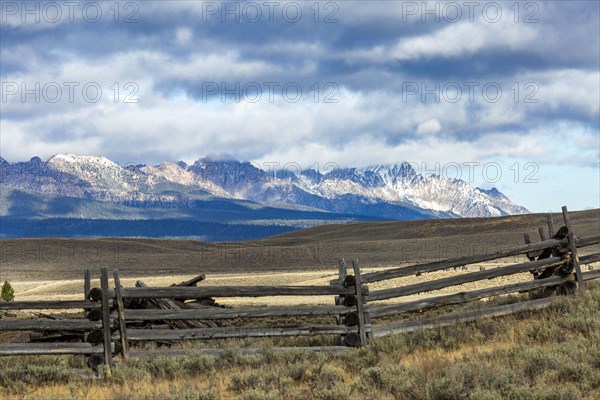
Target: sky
(500,94)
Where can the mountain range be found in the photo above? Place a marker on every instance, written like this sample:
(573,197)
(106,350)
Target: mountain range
(91,194)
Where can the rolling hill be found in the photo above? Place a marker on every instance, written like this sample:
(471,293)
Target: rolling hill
(373,243)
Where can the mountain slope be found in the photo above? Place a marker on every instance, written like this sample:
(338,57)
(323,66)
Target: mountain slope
(32,214)
(106,190)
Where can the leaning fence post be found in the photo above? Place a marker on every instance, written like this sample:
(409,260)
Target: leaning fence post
(360,306)
(542,234)
(106,321)
(573,248)
(121,314)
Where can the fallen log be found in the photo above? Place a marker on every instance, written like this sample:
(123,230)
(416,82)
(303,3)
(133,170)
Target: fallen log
(201,303)
(193,281)
(168,304)
(189,305)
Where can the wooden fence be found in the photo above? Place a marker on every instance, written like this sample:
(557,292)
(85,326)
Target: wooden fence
(563,263)
(110,326)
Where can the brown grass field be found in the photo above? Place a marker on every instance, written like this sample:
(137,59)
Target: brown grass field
(552,354)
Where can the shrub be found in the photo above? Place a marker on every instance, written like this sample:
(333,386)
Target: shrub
(8,293)
(337,391)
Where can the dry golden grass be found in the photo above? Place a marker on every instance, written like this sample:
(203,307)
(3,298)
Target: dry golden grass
(507,358)
(73,289)
(517,357)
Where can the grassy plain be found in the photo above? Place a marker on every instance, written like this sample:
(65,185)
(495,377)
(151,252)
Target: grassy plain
(551,354)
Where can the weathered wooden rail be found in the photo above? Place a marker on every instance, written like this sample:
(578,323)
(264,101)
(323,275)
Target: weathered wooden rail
(173,292)
(111,326)
(46,305)
(452,319)
(566,249)
(475,259)
(464,297)
(472,277)
(230,313)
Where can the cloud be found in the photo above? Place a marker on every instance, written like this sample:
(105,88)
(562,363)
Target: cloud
(183,36)
(431,126)
(379,83)
(453,41)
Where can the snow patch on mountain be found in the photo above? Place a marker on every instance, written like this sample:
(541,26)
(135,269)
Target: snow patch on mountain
(346,190)
(179,174)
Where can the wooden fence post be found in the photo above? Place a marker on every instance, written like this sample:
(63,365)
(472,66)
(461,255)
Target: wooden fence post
(542,234)
(527,239)
(342,272)
(87,284)
(550,225)
(360,306)
(573,248)
(121,314)
(106,321)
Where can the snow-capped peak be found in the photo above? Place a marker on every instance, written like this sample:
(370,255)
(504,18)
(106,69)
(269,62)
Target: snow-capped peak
(70,158)
(348,190)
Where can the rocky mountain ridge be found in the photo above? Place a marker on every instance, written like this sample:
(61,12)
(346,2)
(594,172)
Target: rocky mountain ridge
(393,191)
